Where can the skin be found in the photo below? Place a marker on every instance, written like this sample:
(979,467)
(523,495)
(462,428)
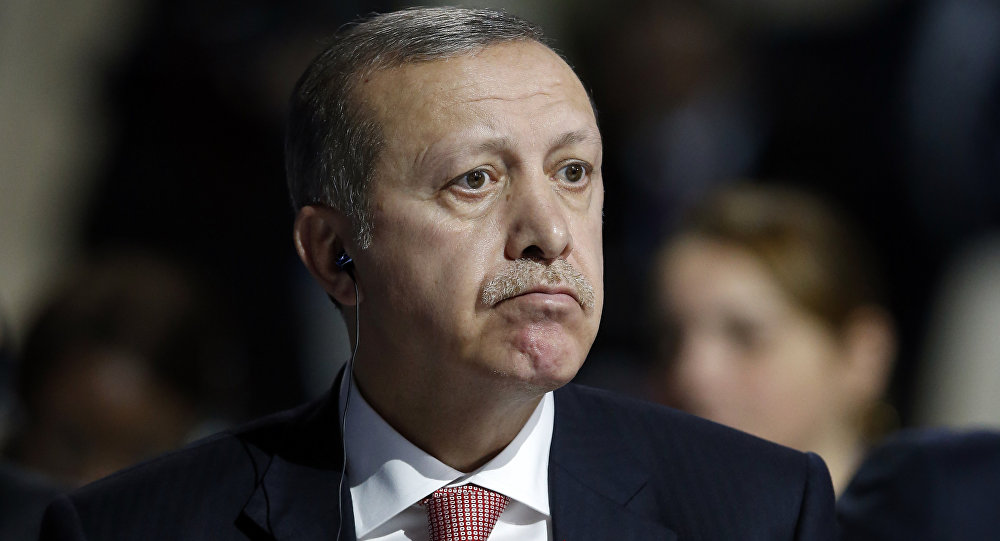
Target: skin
(489,158)
(747,355)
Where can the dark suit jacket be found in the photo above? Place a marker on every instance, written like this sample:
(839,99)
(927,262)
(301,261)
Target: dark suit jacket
(23,497)
(926,485)
(619,470)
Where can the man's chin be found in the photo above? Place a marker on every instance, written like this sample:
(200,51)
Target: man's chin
(541,374)
(532,387)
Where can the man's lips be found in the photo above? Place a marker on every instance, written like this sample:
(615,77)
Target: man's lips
(547,295)
(549,290)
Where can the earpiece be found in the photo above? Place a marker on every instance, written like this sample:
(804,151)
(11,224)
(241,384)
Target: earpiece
(345,263)
(343,260)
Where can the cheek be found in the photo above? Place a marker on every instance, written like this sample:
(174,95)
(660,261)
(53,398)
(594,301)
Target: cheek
(793,391)
(588,254)
(807,358)
(433,267)
(736,383)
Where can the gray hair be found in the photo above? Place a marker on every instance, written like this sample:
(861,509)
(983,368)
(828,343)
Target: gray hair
(332,142)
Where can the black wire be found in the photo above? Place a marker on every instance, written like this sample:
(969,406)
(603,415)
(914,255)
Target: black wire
(349,374)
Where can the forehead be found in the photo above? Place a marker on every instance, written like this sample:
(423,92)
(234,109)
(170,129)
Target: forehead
(488,86)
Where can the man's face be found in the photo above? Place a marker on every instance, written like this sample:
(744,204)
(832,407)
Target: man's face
(489,159)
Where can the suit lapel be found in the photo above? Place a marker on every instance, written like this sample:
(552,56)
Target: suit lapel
(579,513)
(596,487)
(296,494)
(293,501)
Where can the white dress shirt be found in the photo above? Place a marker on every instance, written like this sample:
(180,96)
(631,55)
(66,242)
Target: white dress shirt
(388,476)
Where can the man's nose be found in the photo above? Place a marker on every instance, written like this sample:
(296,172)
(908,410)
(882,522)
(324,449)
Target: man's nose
(539,225)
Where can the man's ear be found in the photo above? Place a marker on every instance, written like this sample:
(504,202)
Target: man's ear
(321,235)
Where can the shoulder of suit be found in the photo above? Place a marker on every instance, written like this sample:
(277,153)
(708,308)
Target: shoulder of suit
(941,453)
(663,426)
(238,455)
(728,481)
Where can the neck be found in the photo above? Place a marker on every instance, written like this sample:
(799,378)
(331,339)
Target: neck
(461,424)
(841,452)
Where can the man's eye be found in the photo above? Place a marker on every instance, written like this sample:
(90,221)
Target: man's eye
(573,172)
(474,179)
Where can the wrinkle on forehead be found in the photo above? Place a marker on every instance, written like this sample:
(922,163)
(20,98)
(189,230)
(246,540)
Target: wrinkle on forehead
(473,88)
(441,84)
(417,99)
(509,98)
(470,84)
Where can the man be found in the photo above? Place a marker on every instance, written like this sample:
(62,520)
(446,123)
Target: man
(447,170)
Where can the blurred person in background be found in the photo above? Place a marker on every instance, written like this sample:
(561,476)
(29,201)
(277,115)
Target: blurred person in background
(196,106)
(768,317)
(925,485)
(23,495)
(128,359)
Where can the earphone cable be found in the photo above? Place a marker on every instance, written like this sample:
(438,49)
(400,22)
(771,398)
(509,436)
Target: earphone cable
(349,374)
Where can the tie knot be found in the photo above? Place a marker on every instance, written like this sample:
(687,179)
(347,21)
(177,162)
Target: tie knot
(465,513)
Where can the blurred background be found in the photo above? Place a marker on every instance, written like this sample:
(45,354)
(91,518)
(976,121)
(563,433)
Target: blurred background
(145,229)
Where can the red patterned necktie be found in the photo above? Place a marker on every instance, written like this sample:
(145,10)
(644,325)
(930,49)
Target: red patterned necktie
(465,513)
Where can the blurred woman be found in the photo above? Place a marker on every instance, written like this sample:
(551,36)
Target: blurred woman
(768,317)
(128,358)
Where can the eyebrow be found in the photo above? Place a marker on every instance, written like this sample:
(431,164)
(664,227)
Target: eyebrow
(584,136)
(501,144)
(495,145)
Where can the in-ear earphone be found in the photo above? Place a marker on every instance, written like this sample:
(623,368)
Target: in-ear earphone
(343,260)
(345,263)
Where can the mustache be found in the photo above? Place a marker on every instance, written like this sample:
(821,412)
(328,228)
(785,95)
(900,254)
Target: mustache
(524,275)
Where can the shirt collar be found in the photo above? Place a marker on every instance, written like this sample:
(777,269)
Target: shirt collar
(388,474)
